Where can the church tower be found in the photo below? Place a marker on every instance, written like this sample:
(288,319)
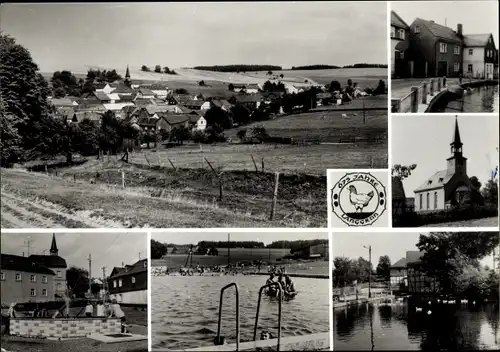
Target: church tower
(127,80)
(53,247)
(457,163)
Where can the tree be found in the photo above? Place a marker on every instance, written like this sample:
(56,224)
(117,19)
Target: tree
(490,193)
(343,272)
(282,75)
(240,114)
(384,267)
(78,281)
(242,134)
(218,119)
(158,69)
(145,68)
(201,83)
(401,171)
(166,70)
(259,132)
(474,197)
(181,91)
(180,134)
(158,249)
(230,87)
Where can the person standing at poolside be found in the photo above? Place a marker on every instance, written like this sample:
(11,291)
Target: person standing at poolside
(116,311)
(89,310)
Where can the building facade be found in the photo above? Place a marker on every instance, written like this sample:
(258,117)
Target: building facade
(400,42)
(23,280)
(447,187)
(57,264)
(480,56)
(129,284)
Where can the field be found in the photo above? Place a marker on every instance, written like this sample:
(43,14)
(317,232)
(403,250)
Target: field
(484,222)
(157,198)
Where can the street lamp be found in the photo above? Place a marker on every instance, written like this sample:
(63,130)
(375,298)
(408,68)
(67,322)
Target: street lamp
(370,271)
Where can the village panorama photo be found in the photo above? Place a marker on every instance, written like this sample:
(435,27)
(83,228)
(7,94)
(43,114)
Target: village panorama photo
(174,115)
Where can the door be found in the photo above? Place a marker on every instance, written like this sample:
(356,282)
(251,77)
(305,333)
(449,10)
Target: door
(399,64)
(442,68)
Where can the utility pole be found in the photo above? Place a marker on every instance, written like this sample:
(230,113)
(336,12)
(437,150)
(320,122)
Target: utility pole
(104,282)
(90,273)
(228,249)
(27,243)
(370,272)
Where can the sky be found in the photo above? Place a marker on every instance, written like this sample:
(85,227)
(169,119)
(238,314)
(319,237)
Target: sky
(395,245)
(425,140)
(106,249)
(69,36)
(265,237)
(476,17)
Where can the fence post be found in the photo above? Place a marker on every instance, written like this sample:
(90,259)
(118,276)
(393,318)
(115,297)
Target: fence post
(395,105)
(424,93)
(414,99)
(432,87)
(123,179)
(219,178)
(254,164)
(275,196)
(171,163)
(262,164)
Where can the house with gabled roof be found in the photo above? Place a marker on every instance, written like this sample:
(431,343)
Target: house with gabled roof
(168,121)
(250,101)
(400,42)
(105,88)
(479,55)
(129,284)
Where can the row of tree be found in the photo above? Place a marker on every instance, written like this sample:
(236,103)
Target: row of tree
(239,68)
(159,69)
(315,67)
(66,83)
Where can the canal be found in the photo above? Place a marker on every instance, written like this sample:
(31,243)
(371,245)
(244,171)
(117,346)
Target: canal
(185,309)
(392,327)
(481,99)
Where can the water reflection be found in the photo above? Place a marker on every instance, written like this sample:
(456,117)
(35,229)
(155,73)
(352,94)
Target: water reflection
(390,327)
(481,99)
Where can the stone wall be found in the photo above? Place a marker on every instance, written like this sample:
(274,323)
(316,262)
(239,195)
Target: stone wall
(63,328)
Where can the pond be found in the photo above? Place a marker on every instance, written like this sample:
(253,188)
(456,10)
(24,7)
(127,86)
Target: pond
(481,99)
(185,309)
(378,327)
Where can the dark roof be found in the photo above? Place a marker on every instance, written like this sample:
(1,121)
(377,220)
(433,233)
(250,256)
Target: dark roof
(102,96)
(89,115)
(146,91)
(439,31)
(217,103)
(100,85)
(147,121)
(239,86)
(248,98)
(61,101)
(194,102)
(117,270)
(25,264)
(401,263)
(158,87)
(126,97)
(438,180)
(66,111)
(398,21)
(174,119)
(136,268)
(50,261)
(413,256)
(122,88)
(272,94)
(184,109)
(476,39)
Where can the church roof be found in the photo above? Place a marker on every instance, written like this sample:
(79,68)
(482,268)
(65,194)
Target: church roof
(50,261)
(24,264)
(53,246)
(438,180)
(456,135)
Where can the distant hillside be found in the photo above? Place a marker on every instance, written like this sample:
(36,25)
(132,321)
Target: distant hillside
(239,68)
(315,67)
(366,66)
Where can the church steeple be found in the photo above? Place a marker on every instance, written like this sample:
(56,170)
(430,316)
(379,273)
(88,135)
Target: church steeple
(127,80)
(457,164)
(127,74)
(53,247)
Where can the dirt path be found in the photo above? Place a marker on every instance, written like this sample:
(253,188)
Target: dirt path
(25,213)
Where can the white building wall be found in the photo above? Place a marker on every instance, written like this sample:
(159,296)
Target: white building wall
(134,297)
(476,60)
(436,200)
(394,42)
(201,124)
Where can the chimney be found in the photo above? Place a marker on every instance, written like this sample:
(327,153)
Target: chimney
(459,29)
(123,264)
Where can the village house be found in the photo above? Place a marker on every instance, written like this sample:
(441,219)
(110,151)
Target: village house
(206,105)
(436,50)
(400,42)
(145,93)
(253,88)
(197,123)
(105,88)
(159,91)
(269,97)
(118,106)
(145,123)
(55,263)
(221,103)
(399,270)
(129,284)
(122,89)
(447,187)
(103,98)
(479,55)
(168,122)
(193,104)
(94,116)
(63,102)
(250,101)
(239,88)
(24,280)
(66,112)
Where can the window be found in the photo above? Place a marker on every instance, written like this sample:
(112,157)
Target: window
(3,277)
(402,34)
(32,278)
(59,274)
(435,200)
(456,67)
(471,52)
(469,68)
(114,283)
(443,48)
(456,50)
(401,55)
(417,29)
(32,292)
(429,182)
(440,179)
(18,277)
(421,206)
(44,279)
(145,263)
(393,32)
(133,279)
(427,199)
(120,282)
(44,292)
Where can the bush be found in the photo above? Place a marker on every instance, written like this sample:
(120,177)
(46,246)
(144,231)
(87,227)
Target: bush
(466,212)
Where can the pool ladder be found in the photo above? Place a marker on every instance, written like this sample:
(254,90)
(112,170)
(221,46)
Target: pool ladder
(220,340)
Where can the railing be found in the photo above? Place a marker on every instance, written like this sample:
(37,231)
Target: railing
(280,299)
(218,339)
(418,95)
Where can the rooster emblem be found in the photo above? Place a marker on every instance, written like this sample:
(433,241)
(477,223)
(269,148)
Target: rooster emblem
(359,200)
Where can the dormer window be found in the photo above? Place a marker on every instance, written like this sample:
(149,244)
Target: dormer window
(429,182)
(440,179)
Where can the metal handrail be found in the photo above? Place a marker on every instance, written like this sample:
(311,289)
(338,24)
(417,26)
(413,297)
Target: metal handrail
(237,313)
(280,292)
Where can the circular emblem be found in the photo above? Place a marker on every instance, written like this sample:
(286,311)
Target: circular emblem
(358,199)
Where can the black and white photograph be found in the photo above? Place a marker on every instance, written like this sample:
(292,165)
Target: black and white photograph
(445,171)
(200,115)
(444,56)
(65,292)
(433,291)
(214,291)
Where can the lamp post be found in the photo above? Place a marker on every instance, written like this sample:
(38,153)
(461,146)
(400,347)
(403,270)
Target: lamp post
(370,271)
